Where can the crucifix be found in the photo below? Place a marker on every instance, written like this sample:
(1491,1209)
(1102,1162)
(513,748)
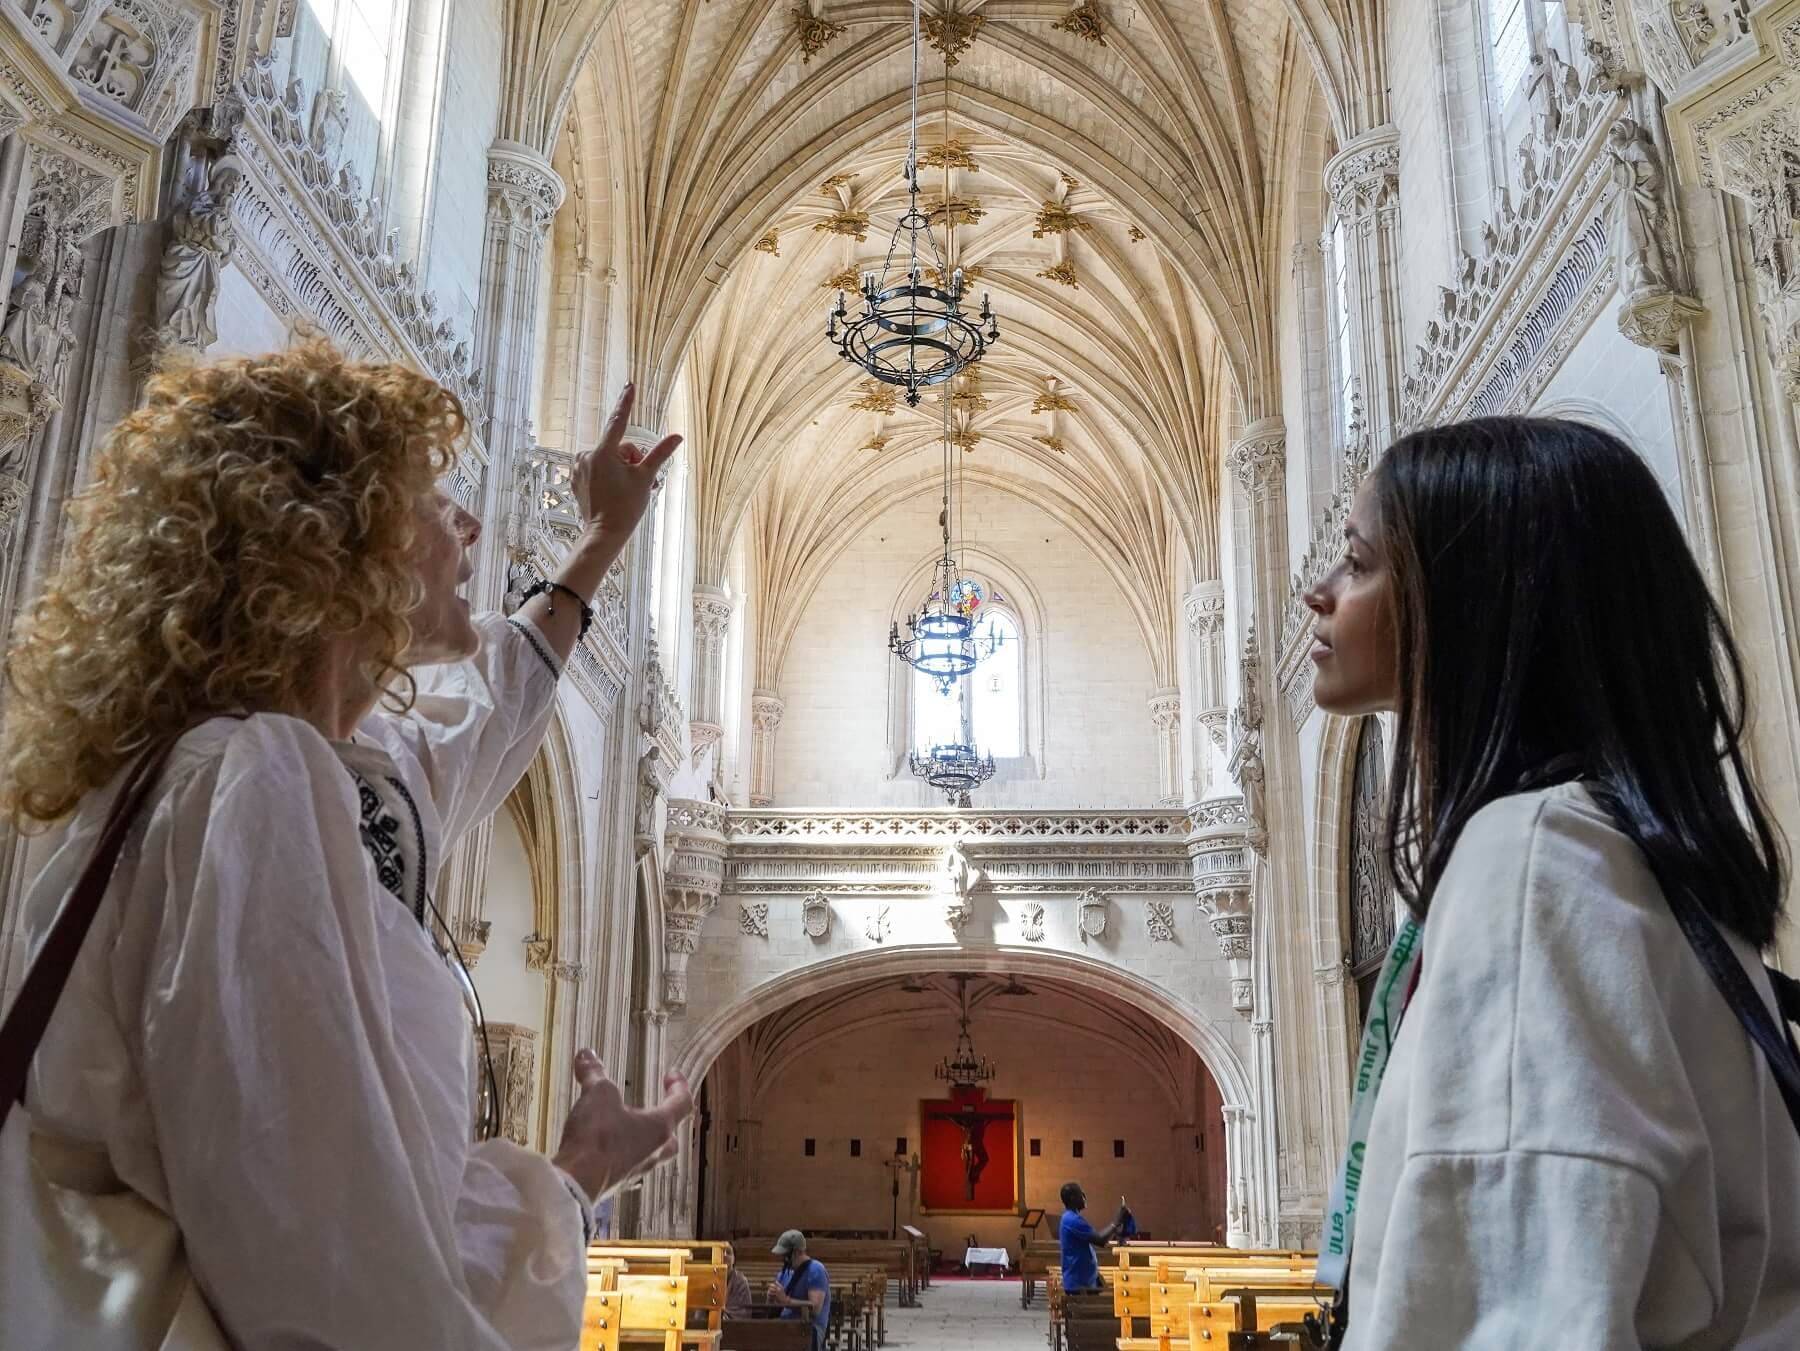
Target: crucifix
(897,1165)
(973,1122)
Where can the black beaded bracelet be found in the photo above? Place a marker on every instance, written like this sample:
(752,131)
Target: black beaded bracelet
(549,589)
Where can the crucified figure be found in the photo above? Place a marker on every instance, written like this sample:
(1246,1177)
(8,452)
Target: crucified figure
(973,1124)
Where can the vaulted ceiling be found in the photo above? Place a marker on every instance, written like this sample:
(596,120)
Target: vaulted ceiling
(1114,174)
(929,1004)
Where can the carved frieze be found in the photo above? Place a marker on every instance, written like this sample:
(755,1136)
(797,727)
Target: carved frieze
(1481,338)
(314,243)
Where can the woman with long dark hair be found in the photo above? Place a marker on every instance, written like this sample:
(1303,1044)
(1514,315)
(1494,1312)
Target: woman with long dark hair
(1561,1134)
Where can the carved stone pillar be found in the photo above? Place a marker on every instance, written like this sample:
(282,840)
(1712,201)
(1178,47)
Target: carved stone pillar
(766,712)
(514,1052)
(1241,1191)
(1205,609)
(523,195)
(1265,761)
(1165,718)
(692,878)
(1220,852)
(712,622)
(1363,181)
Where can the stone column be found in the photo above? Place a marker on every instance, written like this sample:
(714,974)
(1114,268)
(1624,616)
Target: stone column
(1220,851)
(523,195)
(766,711)
(514,1052)
(1265,762)
(692,878)
(1205,609)
(1165,718)
(1658,308)
(1363,180)
(712,622)
(1240,1191)
(563,1036)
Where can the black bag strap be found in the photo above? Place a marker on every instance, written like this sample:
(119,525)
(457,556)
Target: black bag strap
(29,1016)
(1775,1040)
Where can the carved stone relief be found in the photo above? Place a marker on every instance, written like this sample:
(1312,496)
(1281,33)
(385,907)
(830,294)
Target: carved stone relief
(815,915)
(1159,919)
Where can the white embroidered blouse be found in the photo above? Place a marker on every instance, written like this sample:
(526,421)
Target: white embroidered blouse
(261,1038)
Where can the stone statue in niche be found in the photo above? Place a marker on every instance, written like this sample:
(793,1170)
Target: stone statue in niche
(26,337)
(1642,243)
(957,882)
(201,238)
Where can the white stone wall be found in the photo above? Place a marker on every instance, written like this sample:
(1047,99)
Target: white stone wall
(510,992)
(1610,381)
(1098,747)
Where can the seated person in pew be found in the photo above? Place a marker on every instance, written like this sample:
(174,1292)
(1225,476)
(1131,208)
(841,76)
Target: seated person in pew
(802,1285)
(1079,1239)
(737,1287)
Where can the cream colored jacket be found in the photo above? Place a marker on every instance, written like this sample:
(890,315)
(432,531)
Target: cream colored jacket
(260,1039)
(1576,1146)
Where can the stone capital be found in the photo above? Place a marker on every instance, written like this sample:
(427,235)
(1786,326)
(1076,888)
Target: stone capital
(712,613)
(766,711)
(1204,606)
(521,185)
(1364,176)
(1258,457)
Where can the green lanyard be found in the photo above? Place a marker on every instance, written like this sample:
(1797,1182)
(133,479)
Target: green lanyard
(1391,991)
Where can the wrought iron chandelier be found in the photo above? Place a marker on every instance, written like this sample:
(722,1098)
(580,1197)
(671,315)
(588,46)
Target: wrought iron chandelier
(956,769)
(940,635)
(963,1068)
(909,333)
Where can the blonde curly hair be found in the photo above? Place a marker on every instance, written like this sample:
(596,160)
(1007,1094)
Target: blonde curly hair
(249,511)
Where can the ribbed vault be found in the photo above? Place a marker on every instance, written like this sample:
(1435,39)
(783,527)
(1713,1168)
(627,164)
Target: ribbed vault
(1121,198)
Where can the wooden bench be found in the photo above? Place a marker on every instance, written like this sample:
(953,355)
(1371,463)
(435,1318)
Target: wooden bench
(625,1264)
(623,1310)
(1191,1297)
(858,1318)
(766,1334)
(899,1256)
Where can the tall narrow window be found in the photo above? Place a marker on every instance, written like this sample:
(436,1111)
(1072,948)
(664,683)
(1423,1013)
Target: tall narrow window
(995,697)
(937,718)
(1509,30)
(1342,347)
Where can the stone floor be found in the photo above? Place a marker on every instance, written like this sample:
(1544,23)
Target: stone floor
(957,1315)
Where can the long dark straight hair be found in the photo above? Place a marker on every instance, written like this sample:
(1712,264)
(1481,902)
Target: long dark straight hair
(1552,624)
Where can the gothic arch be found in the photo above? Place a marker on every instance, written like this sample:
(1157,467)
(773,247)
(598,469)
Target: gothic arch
(710,1038)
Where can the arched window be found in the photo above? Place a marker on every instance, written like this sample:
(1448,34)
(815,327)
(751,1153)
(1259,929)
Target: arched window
(997,689)
(1371,899)
(987,707)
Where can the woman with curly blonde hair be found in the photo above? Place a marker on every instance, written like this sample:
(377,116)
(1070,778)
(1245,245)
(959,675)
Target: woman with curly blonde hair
(246,1117)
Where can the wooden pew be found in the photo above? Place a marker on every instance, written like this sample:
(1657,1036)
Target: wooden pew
(766,1334)
(624,1310)
(858,1300)
(899,1256)
(702,1264)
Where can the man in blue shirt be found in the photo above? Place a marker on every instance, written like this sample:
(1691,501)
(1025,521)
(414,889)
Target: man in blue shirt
(803,1289)
(1079,1239)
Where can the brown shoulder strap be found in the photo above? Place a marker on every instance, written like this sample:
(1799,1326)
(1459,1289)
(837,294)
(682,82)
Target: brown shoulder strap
(30,1012)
